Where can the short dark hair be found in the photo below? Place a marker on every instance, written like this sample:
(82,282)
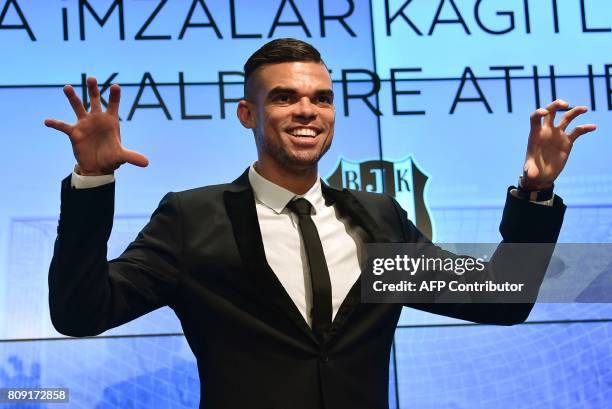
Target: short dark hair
(279,51)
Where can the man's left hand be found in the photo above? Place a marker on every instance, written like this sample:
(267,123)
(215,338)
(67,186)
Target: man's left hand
(549,145)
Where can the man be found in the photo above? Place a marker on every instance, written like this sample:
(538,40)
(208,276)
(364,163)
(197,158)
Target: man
(263,272)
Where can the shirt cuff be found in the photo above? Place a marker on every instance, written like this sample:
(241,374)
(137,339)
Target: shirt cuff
(549,202)
(87,182)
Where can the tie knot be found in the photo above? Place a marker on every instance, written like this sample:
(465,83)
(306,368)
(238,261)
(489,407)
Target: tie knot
(301,207)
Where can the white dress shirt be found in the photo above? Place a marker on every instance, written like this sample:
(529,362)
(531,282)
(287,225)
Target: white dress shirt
(282,241)
(285,251)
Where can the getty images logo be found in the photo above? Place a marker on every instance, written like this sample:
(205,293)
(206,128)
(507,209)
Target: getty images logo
(402,179)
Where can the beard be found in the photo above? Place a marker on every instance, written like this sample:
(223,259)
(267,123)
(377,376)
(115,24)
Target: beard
(293,160)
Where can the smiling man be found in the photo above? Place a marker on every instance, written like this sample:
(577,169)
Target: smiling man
(289,105)
(263,272)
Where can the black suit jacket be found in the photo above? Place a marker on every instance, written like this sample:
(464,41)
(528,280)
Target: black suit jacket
(202,254)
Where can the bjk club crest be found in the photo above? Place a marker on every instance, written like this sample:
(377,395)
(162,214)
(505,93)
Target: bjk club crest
(402,179)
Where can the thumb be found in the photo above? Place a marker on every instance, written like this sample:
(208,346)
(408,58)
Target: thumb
(135,158)
(530,170)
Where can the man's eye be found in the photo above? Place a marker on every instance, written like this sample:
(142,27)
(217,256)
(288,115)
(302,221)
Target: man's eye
(282,98)
(324,99)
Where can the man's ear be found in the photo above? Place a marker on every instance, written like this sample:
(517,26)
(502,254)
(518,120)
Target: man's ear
(246,113)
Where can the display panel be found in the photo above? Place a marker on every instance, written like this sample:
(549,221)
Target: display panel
(457,84)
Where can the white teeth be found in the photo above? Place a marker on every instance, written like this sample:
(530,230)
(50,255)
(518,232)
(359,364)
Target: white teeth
(303,132)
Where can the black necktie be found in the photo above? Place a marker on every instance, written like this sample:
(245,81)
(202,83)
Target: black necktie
(319,275)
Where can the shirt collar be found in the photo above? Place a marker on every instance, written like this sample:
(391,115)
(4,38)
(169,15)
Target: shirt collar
(276,197)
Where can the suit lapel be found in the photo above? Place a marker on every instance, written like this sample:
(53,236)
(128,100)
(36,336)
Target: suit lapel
(349,206)
(240,206)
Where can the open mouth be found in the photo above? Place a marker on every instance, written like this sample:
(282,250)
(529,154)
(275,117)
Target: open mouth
(304,132)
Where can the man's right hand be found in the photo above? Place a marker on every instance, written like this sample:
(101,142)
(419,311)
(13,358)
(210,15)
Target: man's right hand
(96,138)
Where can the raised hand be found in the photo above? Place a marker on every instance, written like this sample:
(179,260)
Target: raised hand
(549,145)
(95,137)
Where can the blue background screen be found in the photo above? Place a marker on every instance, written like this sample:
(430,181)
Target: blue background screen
(444,104)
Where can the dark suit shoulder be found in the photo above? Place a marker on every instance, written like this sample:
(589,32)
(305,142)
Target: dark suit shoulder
(379,205)
(385,211)
(205,200)
(205,192)
(371,198)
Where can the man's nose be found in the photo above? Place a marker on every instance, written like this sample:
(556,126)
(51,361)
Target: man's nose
(305,109)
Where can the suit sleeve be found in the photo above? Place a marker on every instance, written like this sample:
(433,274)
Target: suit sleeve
(522,222)
(87,293)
